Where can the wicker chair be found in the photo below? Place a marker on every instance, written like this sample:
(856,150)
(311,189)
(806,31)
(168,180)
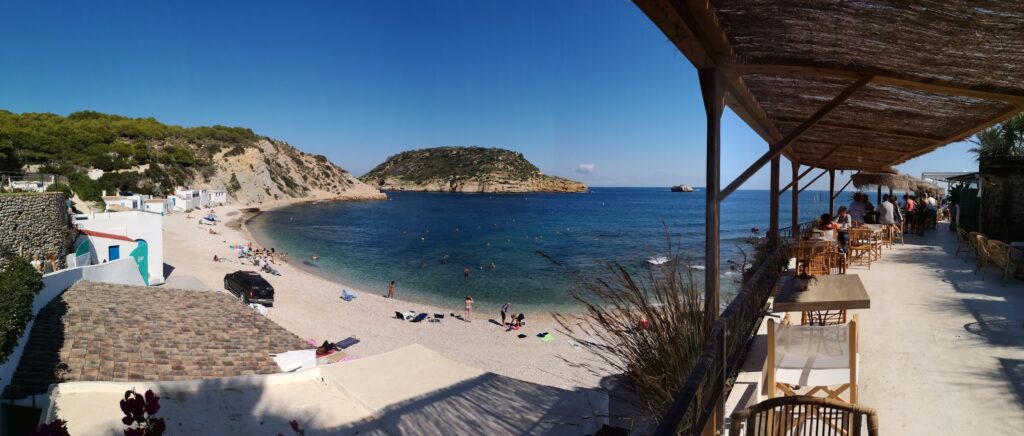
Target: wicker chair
(803,416)
(861,246)
(981,248)
(964,242)
(998,254)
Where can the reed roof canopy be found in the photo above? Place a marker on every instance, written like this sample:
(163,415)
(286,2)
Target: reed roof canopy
(920,74)
(889,179)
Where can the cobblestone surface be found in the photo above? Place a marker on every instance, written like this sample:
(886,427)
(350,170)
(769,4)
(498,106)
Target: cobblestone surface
(104,332)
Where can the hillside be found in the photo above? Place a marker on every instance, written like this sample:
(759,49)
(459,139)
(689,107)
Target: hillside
(145,156)
(465,169)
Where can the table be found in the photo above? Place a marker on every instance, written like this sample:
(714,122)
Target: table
(828,292)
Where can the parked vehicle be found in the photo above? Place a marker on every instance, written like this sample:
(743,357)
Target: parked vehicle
(250,287)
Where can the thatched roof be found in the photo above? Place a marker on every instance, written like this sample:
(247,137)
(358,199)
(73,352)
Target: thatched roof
(889,179)
(934,71)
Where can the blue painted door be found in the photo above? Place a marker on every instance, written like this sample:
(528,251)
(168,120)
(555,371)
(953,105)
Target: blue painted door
(113,252)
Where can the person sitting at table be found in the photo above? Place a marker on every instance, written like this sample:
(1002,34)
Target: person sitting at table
(856,209)
(885,212)
(844,221)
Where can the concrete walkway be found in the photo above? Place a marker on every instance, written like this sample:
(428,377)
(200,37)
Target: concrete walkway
(942,352)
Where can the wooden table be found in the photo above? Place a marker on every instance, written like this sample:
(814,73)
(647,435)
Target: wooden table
(827,292)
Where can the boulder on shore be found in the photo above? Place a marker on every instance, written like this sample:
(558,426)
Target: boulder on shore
(682,188)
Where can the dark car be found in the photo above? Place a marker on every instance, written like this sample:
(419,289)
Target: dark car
(250,287)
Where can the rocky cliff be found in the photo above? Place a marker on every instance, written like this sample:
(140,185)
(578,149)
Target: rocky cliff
(465,169)
(273,170)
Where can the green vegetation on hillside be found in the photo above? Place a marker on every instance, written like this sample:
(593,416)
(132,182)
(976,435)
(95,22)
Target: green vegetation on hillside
(73,144)
(459,163)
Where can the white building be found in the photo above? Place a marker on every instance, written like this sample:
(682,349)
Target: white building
(125,202)
(105,237)
(158,205)
(187,199)
(32,182)
(219,197)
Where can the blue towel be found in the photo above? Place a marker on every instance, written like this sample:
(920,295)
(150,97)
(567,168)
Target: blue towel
(346,295)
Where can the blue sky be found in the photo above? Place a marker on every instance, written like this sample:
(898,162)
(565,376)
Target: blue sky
(585,89)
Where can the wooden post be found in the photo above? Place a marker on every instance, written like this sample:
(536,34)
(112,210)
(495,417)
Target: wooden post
(879,196)
(832,192)
(773,208)
(714,103)
(796,198)
(711,86)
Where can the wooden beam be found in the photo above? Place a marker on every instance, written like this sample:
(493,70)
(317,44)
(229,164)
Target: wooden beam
(796,199)
(790,184)
(714,103)
(841,146)
(831,192)
(935,86)
(855,128)
(777,149)
(814,180)
(836,195)
(773,202)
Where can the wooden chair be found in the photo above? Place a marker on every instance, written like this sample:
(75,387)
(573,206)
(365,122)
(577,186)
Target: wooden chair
(814,356)
(981,248)
(836,262)
(806,250)
(803,416)
(818,264)
(998,254)
(861,246)
(964,242)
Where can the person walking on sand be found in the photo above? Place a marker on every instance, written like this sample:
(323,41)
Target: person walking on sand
(391,290)
(469,309)
(504,311)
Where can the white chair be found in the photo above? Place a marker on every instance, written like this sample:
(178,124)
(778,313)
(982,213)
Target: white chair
(822,358)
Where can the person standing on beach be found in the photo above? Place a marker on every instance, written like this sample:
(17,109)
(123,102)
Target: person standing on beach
(391,290)
(469,309)
(504,311)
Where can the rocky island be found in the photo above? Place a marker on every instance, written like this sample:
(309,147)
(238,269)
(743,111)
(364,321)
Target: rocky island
(682,188)
(465,169)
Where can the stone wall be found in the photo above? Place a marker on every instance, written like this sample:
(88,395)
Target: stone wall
(32,224)
(1002,197)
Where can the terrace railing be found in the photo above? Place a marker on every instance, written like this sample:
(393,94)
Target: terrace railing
(788,233)
(714,373)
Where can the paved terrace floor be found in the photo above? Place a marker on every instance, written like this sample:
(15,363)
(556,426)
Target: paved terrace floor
(105,332)
(942,352)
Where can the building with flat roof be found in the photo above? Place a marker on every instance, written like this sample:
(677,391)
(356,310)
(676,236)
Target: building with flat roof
(105,237)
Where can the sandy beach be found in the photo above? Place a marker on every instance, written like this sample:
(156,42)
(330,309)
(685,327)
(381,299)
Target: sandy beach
(310,307)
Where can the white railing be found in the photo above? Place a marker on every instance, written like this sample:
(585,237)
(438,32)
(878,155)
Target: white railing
(122,271)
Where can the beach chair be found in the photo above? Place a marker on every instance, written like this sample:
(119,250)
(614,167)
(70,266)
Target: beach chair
(817,357)
(420,317)
(345,343)
(963,242)
(347,296)
(805,416)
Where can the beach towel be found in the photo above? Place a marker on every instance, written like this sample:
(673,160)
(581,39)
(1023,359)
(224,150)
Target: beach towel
(345,343)
(298,360)
(347,296)
(548,338)
(420,317)
(520,336)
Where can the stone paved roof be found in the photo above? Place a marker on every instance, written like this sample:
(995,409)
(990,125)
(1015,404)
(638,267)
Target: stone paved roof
(105,332)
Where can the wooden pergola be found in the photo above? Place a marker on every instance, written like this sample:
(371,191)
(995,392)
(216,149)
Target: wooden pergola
(854,85)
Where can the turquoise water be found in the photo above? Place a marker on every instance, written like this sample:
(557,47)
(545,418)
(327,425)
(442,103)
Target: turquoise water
(424,240)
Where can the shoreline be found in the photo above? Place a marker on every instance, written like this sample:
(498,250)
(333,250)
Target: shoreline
(307,304)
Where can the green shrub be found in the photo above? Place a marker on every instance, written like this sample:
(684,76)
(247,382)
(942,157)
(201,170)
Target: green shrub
(19,284)
(60,187)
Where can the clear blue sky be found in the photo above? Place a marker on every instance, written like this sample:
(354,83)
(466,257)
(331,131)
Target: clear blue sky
(585,89)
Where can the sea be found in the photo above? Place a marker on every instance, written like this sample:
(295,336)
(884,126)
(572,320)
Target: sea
(520,248)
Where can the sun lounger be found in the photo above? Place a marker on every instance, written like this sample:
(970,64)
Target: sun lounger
(347,296)
(347,342)
(405,315)
(420,317)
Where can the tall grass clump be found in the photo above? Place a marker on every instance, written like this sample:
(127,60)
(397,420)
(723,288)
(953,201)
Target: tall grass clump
(648,325)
